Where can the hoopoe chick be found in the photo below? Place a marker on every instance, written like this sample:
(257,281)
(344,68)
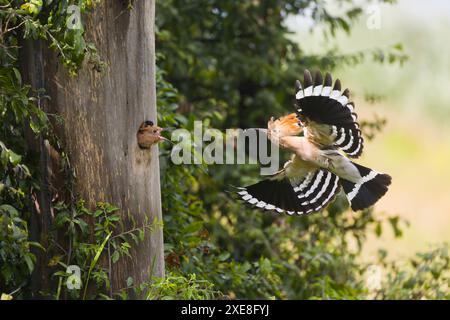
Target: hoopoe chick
(149,134)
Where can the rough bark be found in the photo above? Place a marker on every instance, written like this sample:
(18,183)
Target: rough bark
(102,112)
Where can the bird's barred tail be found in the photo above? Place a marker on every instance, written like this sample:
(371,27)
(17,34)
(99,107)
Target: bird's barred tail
(368,190)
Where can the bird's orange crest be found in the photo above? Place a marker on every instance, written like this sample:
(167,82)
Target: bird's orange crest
(286,126)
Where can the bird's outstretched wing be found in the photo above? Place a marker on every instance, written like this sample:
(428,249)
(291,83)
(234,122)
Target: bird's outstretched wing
(309,192)
(328,115)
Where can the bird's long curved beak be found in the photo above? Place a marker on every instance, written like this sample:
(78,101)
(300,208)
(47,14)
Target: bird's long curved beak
(257,129)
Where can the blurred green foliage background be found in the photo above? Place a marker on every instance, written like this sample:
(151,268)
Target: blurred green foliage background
(235,66)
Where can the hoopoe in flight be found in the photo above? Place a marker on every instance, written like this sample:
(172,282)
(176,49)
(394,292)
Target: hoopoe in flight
(320,163)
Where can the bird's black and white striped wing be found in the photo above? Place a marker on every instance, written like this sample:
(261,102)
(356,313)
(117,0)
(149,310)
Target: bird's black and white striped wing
(317,190)
(318,101)
(303,195)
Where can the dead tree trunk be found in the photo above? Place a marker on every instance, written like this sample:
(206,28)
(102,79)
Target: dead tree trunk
(102,112)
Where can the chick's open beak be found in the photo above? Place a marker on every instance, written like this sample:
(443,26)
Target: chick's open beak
(161,137)
(149,134)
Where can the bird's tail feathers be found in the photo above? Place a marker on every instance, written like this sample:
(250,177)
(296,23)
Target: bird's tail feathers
(368,190)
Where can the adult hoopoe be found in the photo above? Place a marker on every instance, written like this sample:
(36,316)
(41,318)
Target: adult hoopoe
(320,163)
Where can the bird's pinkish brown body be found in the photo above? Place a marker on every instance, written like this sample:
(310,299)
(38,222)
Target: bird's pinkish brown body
(308,156)
(301,147)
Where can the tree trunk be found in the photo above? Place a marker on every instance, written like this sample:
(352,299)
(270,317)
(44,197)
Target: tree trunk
(102,112)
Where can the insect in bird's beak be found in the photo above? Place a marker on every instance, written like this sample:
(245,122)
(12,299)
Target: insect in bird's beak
(168,130)
(149,134)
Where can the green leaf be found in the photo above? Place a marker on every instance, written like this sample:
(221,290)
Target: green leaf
(18,76)
(193,227)
(9,209)
(114,218)
(14,158)
(223,256)
(37,245)
(115,256)
(29,262)
(129,281)
(94,262)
